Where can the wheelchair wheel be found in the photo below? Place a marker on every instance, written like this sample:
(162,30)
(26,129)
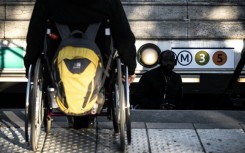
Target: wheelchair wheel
(37,110)
(120,104)
(29,87)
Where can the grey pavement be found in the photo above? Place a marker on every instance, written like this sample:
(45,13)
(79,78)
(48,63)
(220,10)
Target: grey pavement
(168,131)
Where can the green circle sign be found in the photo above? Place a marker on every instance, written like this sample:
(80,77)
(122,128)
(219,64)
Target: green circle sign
(202,57)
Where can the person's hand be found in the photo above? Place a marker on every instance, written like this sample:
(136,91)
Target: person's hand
(130,78)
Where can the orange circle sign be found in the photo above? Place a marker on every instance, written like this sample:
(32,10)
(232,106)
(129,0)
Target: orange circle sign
(219,58)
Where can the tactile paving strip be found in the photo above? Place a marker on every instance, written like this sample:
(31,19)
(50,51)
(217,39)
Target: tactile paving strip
(108,142)
(223,140)
(12,140)
(174,141)
(139,142)
(65,140)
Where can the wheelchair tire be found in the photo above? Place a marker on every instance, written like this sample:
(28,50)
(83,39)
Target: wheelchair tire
(37,111)
(122,105)
(27,104)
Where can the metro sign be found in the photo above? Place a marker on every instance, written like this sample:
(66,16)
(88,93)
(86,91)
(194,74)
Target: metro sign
(204,57)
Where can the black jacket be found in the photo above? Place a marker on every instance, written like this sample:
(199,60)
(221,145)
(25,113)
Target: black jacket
(152,87)
(78,14)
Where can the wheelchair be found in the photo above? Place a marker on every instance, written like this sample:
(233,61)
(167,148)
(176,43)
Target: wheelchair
(39,111)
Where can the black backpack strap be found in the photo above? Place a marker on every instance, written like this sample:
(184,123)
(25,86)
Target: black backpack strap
(64,30)
(92,30)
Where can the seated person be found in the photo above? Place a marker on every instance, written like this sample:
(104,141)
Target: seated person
(78,14)
(161,87)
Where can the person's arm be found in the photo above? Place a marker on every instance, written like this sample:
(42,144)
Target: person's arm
(35,34)
(124,40)
(143,92)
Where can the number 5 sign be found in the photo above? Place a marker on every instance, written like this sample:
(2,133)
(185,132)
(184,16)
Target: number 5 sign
(205,58)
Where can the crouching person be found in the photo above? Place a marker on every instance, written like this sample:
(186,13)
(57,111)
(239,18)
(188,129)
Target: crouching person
(161,87)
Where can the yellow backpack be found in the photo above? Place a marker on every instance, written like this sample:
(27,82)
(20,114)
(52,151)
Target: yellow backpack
(77,70)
